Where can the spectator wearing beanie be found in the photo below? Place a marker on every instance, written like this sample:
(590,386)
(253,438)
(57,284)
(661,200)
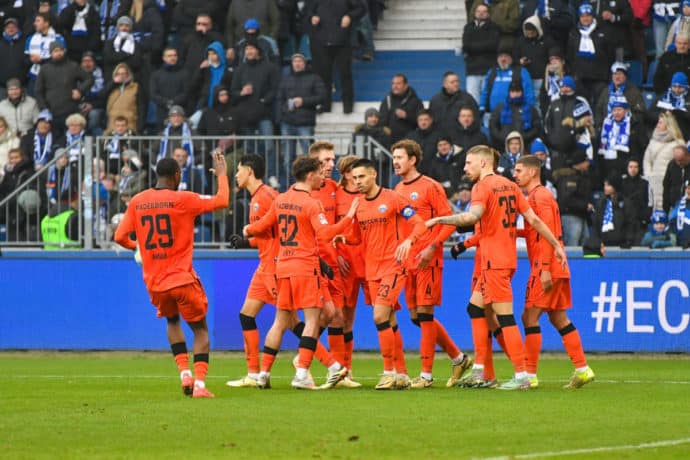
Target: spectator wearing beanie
(176,127)
(12,44)
(372,127)
(400,107)
(221,121)
(60,86)
(574,198)
(554,71)
(426,134)
(622,137)
(466,132)
(660,235)
(81,27)
(672,61)
(619,87)
(122,48)
(268,45)
(539,150)
(514,115)
(18,109)
(479,38)
(40,141)
(614,218)
(445,104)
(532,50)
(264,11)
(590,54)
(675,98)
(331,22)
(568,125)
(614,18)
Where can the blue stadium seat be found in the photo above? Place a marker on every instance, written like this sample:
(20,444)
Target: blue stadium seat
(635,74)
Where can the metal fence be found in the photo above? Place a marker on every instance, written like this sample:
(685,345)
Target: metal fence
(95,178)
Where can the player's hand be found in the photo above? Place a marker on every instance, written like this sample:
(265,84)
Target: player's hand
(237,242)
(343,266)
(339,239)
(137,256)
(456,250)
(425,257)
(245,233)
(546,281)
(403,250)
(559,253)
(431,222)
(220,168)
(326,269)
(353,208)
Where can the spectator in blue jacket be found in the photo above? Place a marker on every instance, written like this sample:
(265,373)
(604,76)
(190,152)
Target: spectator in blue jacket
(659,235)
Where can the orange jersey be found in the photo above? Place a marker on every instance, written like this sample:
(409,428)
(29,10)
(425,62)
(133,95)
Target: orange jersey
(354,254)
(380,227)
(327,197)
(163,221)
(502,201)
(261,203)
(539,250)
(428,199)
(298,220)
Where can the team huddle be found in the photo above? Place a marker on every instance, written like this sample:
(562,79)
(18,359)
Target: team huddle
(320,242)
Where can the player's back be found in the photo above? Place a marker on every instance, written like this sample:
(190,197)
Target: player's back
(380,223)
(353,253)
(543,203)
(164,226)
(502,201)
(326,195)
(298,253)
(428,199)
(261,203)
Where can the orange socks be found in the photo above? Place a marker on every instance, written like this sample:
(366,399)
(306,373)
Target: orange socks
(427,346)
(514,345)
(267,358)
(480,332)
(532,348)
(489,372)
(200,366)
(179,351)
(573,345)
(307,346)
(349,348)
(444,341)
(251,343)
(386,344)
(399,352)
(336,342)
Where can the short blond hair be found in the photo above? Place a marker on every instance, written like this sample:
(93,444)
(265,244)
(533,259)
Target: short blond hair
(487,152)
(317,146)
(76,119)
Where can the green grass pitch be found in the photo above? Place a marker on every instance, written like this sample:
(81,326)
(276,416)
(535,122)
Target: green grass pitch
(129,405)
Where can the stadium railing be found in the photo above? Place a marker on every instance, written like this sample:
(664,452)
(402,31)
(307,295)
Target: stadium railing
(103,183)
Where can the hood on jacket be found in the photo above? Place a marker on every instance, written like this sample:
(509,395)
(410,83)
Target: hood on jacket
(513,135)
(536,22)
(216,92)
(217,47)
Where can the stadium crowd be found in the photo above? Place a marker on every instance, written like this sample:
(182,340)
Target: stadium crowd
(547,78)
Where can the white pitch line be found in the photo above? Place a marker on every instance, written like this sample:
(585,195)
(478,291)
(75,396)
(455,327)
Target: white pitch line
(594,450)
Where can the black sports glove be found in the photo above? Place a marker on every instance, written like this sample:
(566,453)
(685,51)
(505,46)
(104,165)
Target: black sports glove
(456,250)
(326,269)
(237,242)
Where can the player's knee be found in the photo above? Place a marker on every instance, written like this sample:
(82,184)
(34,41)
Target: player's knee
(506,320)
(474,311)
(248,323)
(559,319)
(173,320)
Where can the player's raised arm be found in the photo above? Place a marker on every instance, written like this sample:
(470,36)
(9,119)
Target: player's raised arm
(326,232)
(222,197)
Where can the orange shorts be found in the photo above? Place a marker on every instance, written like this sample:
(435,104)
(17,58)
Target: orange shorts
(388,290)
(495,285)
(336,289)
(423,287)
(263,287)
(189,301)
(476,279)
(299,292)
(558,298)
(351,287)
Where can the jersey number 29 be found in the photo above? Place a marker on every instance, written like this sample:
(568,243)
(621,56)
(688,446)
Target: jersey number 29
(160,227)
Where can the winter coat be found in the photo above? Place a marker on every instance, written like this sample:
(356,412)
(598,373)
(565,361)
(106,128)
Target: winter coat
(126,100)
(381,134)
(8,141)
(617,30)
(562,138)
(112,58)
(499,131)
(631,93)
(168,88)
(505,13)
(624,219)
(15,63)
(310,88)
(264,76)
(466,138)
(265,11)
(584,68)
(20,114)
(55,83)
(637,190)
(427,140)
(200,82)
(479,44)
(574,191)
(445,107)
(194,49)
(506,162)
(150,30)
(78,42)
(186,11)
(407,101)
(448,170)
(674,184)
(496,84)
(536,50)
(658,154)
(669,63)
(328,32)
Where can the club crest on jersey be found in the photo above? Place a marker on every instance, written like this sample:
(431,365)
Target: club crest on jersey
(383,208)
(407,212)
(256,206)
(323,220)
(414,196)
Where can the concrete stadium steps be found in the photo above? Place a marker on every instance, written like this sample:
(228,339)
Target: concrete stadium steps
(336,122)
(421,25)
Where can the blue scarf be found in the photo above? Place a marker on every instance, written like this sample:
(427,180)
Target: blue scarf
(615,137)
(553,85)
(98,81)
(586,48)
(12,38)
(664,12)
(507,112)
(79,27)
(671,101)
(186,143)
(42,148)
(682,217)
(74,143)
(613,94)
(52,182)
(607,222)
(105,15)
(113,147)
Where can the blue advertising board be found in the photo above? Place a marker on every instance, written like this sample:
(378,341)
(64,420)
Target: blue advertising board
(628,301)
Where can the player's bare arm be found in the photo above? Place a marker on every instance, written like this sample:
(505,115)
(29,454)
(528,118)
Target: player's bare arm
(544,231)
(459,220)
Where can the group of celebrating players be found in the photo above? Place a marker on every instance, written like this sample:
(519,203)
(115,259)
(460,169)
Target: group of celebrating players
(321,241)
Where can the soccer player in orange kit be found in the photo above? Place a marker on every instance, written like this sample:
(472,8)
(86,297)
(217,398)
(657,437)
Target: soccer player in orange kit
(548,287)
(162,219)
(425,264)
(496,201)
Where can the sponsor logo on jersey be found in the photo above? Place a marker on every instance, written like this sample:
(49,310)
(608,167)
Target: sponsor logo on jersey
(256,206)
(414,196)
(383,208)
(323,220)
